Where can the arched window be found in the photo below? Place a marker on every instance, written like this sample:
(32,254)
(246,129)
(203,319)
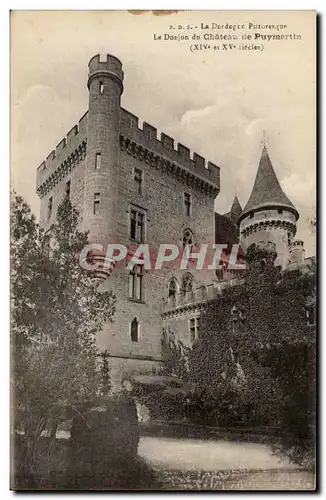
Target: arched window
(173,287)
(187,283)
(134,330)
(201,292)
(187,238)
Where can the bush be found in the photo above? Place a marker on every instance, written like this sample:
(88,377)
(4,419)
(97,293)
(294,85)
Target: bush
(101,452)
(103,432)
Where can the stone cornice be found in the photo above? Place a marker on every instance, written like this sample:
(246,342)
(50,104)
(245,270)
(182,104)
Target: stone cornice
(194,307)
(159,162)
(263,225)
(63,169)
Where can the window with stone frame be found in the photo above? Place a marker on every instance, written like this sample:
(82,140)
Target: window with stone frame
(187,238)
(68,189)
(134,330)
(96,204)
(98,159)
(137,225)
(194,327)
(50,207)
(173,287)
(187,204)
(136,283)
(187,283)
(138,179)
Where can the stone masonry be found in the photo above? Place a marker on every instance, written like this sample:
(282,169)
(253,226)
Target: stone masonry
(101,158)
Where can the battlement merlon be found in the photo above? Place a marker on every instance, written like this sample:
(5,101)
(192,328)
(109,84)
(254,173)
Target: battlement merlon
(165,147)
(107,66)
(64,149)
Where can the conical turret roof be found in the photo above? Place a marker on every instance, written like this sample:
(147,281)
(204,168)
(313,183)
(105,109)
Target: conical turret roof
(267,191)
(235,211)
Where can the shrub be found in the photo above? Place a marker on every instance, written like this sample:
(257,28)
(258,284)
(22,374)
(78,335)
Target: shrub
(103,446)
(103,433)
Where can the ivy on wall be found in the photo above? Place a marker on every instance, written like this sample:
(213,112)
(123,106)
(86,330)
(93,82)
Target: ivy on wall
(254,362)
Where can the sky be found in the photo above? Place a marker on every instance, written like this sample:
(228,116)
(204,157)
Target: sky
(218,103)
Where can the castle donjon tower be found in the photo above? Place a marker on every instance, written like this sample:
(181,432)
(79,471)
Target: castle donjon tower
(269,218)
(105,84)
(132,186)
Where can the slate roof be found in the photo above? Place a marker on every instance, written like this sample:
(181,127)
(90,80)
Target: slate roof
(267,191)
(235,211)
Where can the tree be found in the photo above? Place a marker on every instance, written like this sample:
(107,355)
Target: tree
(105,373)
(57,311)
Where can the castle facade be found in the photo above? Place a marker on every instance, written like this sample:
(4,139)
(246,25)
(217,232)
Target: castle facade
(131,187)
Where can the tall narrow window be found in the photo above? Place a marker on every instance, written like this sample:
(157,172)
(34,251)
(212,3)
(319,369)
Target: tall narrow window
(96,208)
(98,161)
(187,202)
(50,206)
(67,190)
(172,288)
(187,281)
(134,330)
(138,178)
(136,283)
(137,225)
(194,325)
(101,87)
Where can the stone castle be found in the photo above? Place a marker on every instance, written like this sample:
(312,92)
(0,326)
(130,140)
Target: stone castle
(130,186)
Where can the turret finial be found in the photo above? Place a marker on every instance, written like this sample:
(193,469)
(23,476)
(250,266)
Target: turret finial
(264,139)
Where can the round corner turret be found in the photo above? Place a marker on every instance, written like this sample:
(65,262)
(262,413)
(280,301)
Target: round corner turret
(105,66)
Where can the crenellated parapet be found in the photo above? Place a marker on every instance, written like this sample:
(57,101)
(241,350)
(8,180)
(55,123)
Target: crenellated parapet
(196,299)
(68,153)
(143,143)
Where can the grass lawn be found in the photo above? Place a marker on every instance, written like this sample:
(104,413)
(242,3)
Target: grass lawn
(235,480)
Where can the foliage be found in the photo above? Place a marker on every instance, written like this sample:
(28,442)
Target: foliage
(57,311)
(105,386)
(174,356)
(250,364)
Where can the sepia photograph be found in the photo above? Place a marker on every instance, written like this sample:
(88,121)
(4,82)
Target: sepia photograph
(163,250)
